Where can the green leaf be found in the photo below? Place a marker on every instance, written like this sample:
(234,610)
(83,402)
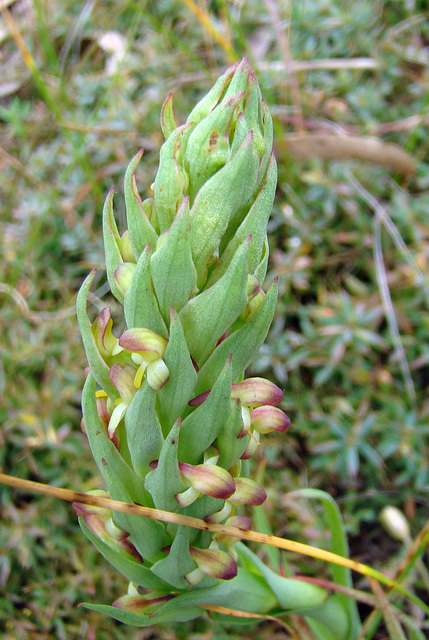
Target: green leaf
(105,454)
(230,447)
(218,199)
(292,594)
(129,568)
(122,483)
(170,182)
(211,99)
(147,535)
(112,245)
(140,229)
(168,122)
(99,368)
(173,272)
(143,430)
(178,563)
(248,591)
(165,481)
(242,343)
(178,612)
(255,224)
(140,304)
(200,429)
(209,315)
(208,148)
(339,545)
(261,270)
(174,396)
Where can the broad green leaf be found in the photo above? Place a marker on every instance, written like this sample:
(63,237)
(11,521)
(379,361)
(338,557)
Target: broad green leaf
(174,396)
(248,591)
(217,200)
(339,545)
(128,567)
(173,272)
(208,146)
(209,315)
(140,304)
(291,594)
(200,429)
(165,481)
(176,613)
(211,99)
(139,227)
(243,343)
(112,245)
(147,535)
(99,368)
(178,563)
(122,483)
(104,451)
(255,224)
(297,596)
(143,430)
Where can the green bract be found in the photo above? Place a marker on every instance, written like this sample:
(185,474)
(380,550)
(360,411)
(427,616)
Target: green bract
(169,418)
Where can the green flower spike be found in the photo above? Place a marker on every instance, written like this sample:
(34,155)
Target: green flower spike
(166,410)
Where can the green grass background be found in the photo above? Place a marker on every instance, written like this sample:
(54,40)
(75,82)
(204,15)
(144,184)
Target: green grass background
(349,343)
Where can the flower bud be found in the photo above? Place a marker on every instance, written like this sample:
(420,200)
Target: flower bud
(252,446)
(395,523)
(240,522)
(140,604)
(257,391)
(102,332)
(266,418)
(214,562)
(209,479)
(123,276)
(247,491)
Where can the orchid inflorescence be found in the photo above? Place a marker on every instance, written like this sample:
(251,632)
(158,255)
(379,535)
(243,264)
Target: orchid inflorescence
(170,418)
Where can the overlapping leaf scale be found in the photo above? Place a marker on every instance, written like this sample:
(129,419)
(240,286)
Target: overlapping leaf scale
(140,304)
(139,227)
(209,315)
(173,398)
(173,272)
(242,343)
(200,429)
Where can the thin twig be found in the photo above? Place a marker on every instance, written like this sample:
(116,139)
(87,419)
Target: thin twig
(204,18)
(390,311)
(382,214)
(414,552)
(196,523)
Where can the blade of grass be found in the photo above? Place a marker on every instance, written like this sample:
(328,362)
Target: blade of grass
(175,518)
(339,545)
(45,39)
(416,550)
(205,20)
(391,622)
